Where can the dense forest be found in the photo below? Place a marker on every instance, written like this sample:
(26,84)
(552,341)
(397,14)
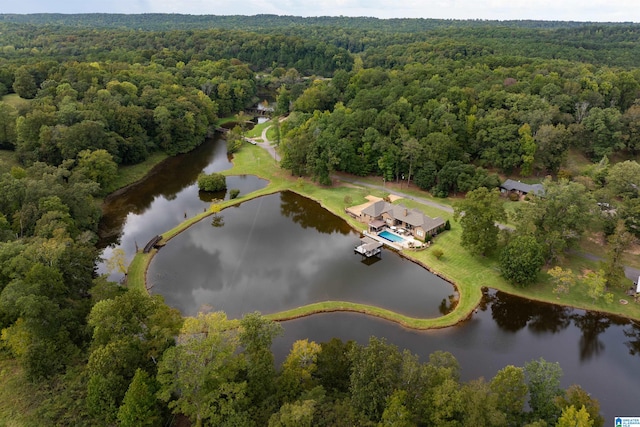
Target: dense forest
(449,106)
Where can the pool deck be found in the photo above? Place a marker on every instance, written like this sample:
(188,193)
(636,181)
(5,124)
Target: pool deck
(407,240)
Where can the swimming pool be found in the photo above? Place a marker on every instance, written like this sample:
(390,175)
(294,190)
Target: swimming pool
(390,237)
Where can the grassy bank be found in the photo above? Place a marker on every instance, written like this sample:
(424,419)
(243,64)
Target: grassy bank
(469,273)
(128,175)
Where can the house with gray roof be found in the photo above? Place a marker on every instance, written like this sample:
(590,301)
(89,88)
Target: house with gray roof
(381,214)
(521,189)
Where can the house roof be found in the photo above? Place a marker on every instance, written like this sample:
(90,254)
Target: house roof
(400,213)
(511,185)
(433,223)
(376,209)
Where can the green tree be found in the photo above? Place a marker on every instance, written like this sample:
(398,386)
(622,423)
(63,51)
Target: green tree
(613,267)
(198,377)
(563,279)
(8,133)
(283,101)
(130,331)
(559,218)
(521,260)
(140,405)
(396,413)
(334,365)
(98,166)
(509,384)
(24,83)
(256,336)
(553,143)
(623,179)
(595,283)
(234,140)
(529,149)
(481,407)
(543,382)
(411,150)
(298,369)
(571,417)
(478,214)
(212,182)
(374,377)
(603,127)
(577,397)
(297,414)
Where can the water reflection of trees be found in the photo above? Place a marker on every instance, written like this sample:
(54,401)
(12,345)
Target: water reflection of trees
(633,331)
(513,313)
(592,325)
(310,214)
(448,304)
(167,179)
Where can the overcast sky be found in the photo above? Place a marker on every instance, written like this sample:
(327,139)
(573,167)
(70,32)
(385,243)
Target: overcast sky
(561,10)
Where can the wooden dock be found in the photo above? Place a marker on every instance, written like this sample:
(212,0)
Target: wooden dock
(368,247)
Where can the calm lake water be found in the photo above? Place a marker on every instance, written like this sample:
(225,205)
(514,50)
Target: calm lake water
(279,252)
(601,353)
(161,200)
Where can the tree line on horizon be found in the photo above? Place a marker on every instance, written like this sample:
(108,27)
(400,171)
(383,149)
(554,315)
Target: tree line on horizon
(421,106)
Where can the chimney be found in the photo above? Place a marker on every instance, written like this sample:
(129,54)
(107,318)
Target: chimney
(406,211)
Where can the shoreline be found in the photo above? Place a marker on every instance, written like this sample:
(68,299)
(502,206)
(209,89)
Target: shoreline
(468,298)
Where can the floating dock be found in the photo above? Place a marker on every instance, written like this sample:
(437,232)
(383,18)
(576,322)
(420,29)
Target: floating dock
(369,247)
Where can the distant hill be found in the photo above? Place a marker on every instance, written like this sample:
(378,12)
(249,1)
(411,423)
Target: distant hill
(163,21)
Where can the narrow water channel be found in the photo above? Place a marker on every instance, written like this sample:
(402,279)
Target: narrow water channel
(600,353)
(164,198)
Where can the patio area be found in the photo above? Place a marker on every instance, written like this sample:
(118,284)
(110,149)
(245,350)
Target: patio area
(395,238)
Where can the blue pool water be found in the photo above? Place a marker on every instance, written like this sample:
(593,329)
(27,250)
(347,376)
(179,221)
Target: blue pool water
(390,236)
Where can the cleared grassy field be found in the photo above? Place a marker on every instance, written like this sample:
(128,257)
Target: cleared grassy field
(14,100)
(7,160)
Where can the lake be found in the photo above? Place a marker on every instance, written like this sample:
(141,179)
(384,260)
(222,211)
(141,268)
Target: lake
(596,351)
(282,251)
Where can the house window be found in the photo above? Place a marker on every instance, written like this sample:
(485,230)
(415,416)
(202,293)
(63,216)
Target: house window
(420,233)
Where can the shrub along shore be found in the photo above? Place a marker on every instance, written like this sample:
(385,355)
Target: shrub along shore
(468,273)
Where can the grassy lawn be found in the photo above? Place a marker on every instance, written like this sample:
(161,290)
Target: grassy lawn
(510,208)
(7,160)
(257,130)
(129,174)
(469,273)
(14,100)
(577,162)
(271,133)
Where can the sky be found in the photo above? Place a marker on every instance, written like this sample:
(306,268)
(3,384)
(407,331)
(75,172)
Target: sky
(551,10)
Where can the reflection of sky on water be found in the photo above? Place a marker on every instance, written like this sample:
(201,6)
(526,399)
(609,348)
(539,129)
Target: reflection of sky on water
(176,196)
(266,259)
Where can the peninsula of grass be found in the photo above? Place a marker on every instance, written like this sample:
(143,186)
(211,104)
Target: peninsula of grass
(131,174)
(469,273)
